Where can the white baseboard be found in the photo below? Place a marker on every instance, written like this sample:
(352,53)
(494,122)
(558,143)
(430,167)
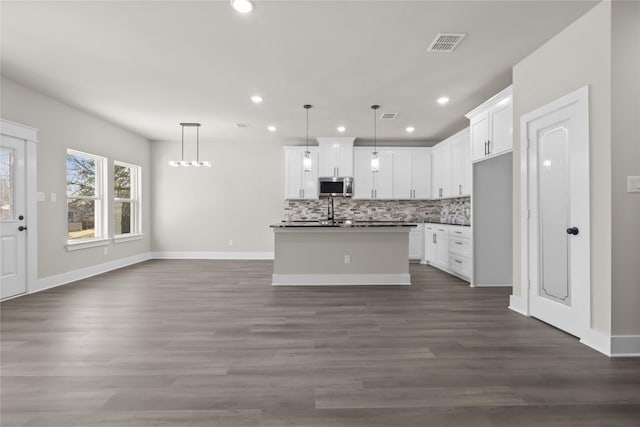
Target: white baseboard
(83,273)
(212,255)
(492,285)
(517,304)
(597,341)
(340,279)
(625,346)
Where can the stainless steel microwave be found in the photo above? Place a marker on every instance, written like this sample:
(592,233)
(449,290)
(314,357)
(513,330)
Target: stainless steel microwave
(336,186)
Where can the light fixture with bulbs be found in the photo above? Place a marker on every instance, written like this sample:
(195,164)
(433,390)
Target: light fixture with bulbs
(196,163)
(306,161)
(242,6)
(410,129)
(341,129)
(257,99)
(272,128)
(443,100)
(375,160)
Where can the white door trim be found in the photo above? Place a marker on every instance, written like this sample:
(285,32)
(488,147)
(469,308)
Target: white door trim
(30,136)
(580,98)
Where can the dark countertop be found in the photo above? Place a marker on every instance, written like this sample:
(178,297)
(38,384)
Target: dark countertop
(343,224)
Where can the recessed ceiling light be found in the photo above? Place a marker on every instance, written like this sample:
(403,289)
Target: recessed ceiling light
(410,129)
(341,129)
(443,100)
(257,99)
(272,128)
(242,6)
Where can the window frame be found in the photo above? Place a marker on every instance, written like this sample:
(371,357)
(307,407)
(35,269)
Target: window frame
(134,199)
(100,208)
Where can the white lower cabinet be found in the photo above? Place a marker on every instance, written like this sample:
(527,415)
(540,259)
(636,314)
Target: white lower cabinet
(448,247)
(416,243)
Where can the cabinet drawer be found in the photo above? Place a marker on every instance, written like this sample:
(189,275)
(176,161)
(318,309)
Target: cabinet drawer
(459,231)
(460,246)
(460,264)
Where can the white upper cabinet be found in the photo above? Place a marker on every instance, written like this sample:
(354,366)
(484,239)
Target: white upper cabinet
(491,126)
(412,173)
(451,166)
(460,164)
(299,184)
(336,156)
(441,170)
(372,185)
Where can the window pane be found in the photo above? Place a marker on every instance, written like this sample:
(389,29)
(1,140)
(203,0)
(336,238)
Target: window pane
(122,182)
(123,217)
(81,219)
(81,176)
(6,183)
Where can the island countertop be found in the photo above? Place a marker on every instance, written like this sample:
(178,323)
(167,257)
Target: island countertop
(342,224)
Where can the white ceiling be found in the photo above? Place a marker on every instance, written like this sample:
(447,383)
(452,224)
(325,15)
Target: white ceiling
(148,65)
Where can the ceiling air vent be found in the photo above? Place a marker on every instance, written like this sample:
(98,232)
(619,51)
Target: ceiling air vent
(446,42)
(242,125)
(388,115)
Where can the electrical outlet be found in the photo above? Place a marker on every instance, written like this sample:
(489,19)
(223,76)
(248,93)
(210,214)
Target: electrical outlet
(40,196)
(230,242)
(106,250)
(347,259)
(53,197)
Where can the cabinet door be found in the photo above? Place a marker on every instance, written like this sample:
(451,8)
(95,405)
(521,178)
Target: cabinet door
(479,128)
(293,174)
(467,168)
(310,178)
(501,127)
(442,246)
(416,245)
(436,172)
(430,243)
(363,177)
(422,174)
(344,160)
(328,159)
(403,174)
(445,171)
(456,166)
(383,179)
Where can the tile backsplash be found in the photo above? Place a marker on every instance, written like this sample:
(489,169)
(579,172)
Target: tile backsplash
(450,211)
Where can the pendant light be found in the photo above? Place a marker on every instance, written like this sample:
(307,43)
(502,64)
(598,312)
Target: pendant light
(306,162)
(197,163)
(375,160)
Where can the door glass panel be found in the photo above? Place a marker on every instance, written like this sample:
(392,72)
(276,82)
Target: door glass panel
(6,184)
(553,176)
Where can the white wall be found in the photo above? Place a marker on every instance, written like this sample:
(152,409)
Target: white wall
(60,127)
(625,160)
(201,209)
(577,56)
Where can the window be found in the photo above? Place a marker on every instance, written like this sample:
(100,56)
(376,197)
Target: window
(85,196)
(126,199)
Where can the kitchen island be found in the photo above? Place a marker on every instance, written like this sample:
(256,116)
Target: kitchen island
(342,253)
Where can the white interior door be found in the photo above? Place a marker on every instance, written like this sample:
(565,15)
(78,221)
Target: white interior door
(12,217)
(558,191)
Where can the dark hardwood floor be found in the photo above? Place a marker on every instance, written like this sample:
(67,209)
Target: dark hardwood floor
(211,343)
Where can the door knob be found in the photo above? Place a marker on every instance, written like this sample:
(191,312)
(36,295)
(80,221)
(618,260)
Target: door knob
(573,230)
(22,228)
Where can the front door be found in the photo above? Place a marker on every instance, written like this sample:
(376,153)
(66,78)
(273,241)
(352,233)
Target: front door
(12,217)
(558,192)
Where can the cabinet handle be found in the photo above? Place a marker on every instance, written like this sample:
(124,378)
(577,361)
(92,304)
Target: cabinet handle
(337,171)
(375,192)
(458,261)
(489,147)
(458,232)
(303,193)
(435,238)
(460,189)
(458,243)
(485,148)
(440,192)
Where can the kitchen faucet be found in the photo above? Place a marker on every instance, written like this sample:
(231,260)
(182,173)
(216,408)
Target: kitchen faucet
(330,210)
